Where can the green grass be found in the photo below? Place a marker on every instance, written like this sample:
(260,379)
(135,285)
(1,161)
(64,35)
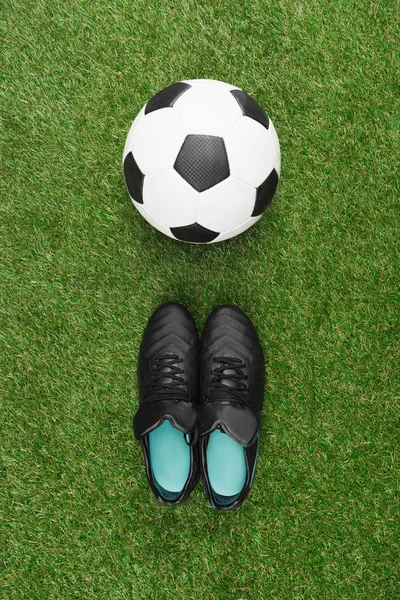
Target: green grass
(81,272)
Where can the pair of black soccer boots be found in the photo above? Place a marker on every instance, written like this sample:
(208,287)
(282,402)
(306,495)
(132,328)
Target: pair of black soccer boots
(200,404)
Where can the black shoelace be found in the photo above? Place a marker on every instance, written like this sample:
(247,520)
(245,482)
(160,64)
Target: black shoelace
(165,378)
(230,369)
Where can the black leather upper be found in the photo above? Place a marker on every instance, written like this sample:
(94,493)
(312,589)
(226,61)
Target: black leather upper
(170,331)
(230,332)
(168,369)
(231,348)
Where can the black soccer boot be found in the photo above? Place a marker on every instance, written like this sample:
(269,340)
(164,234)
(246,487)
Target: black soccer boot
(232,378)
(166,421)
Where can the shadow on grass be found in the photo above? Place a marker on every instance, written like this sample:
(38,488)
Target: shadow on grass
(204,276)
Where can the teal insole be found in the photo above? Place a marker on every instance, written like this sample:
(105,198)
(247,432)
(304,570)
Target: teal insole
(169,457)
(226,464)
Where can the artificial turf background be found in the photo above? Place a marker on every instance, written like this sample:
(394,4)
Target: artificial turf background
(81,272)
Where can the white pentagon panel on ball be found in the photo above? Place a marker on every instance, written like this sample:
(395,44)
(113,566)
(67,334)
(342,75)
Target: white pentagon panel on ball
(226,205)
(171,200)
(157,140)
(277,148)
(128,142)
(226,235)
(250,151)
(214,82)
(207,110)
(152,220)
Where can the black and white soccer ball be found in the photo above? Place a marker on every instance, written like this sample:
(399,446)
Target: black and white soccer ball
(201,161)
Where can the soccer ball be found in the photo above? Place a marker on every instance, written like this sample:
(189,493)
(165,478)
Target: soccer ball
(201,161)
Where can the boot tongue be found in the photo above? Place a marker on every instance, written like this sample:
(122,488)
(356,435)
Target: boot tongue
(238,421)
(181,414)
